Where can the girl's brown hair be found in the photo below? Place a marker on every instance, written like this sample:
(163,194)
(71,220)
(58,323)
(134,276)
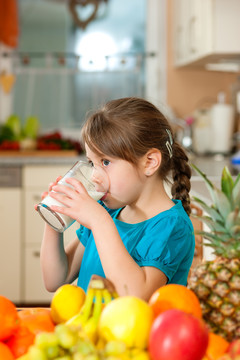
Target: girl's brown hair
(127,128)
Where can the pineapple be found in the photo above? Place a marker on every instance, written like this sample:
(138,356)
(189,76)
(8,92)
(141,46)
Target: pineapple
(217,283)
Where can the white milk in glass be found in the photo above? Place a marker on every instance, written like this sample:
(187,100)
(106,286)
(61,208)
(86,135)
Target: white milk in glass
(85,173)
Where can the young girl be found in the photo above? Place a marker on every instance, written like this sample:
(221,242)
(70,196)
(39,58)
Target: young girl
(137,236)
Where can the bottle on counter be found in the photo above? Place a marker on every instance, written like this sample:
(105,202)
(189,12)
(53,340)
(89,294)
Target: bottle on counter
(222,126)
(201,131)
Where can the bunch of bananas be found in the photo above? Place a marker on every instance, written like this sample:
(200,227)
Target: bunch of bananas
(100,293)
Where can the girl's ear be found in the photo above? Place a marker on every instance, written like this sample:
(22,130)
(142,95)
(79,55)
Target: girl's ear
(152,161)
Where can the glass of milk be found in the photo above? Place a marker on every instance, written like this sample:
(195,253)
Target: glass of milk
(95,181)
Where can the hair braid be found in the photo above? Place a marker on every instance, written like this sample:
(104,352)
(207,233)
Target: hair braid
(181,173)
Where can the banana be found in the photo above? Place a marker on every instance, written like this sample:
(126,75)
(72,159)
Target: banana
(87,319)
(83,315)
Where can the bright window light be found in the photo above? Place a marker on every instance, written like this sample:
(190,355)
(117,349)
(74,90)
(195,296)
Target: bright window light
(93,49)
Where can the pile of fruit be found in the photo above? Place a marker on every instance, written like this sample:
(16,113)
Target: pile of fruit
(100,325)
(199,322)
(17,136)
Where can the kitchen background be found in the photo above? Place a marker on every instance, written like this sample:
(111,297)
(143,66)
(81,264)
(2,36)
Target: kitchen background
(183,55)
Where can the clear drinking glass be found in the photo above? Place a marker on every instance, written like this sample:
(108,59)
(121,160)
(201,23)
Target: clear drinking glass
(95,181)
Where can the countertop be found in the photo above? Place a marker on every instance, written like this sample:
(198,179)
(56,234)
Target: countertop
(210,165)
(19,159)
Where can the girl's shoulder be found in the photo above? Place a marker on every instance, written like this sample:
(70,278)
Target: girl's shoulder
(176,215)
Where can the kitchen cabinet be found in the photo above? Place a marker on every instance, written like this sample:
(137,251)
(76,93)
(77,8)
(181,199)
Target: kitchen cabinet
(11,229)
(205,31)
(35,180)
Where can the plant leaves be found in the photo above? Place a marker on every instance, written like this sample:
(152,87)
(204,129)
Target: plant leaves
(212,224)
(210,210)
(31,127)
(233,219)
(236,192)
(14,124)
(207,182)
(222,203)
(227,183)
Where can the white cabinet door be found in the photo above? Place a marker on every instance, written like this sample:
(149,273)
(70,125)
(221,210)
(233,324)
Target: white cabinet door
(192,26)
(10,254)
(180,27)
(205,31)
(35,181)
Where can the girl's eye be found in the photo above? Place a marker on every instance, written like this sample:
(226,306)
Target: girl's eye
(105,162)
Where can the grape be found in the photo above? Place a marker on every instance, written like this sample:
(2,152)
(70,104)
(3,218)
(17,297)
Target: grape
(78,356)
(36,354)
(92,357)
(52,352)
(46,339)
(66,337)
(115,347)
(84,348)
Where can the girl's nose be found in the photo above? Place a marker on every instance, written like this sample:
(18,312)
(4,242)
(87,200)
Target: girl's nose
(96,178)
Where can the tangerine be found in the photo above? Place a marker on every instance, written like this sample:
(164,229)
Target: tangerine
(8,318)
(217,346)
(5,352)
(175,296)
(37,320)
(20,341)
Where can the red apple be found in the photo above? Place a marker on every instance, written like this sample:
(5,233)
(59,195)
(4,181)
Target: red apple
(177,335)
(234,348)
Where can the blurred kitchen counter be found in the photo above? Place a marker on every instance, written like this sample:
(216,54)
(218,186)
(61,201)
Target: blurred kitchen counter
(21,158)
(212,166)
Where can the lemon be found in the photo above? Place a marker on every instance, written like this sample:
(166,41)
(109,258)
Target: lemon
(66,302)
(128,319)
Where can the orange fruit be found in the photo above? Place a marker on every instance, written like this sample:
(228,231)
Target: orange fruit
(37,320)
(217,346)
(174,296)
(8,318)
(66,302)
(20,341)
(5,352)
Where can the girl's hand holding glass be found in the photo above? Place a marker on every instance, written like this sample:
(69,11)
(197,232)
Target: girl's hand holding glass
(60,207)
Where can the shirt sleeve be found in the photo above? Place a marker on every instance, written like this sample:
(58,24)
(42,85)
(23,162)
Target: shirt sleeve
(83,234)
(166,245)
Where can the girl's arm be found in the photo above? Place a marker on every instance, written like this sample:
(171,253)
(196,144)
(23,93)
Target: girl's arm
(59,265)
(118,265)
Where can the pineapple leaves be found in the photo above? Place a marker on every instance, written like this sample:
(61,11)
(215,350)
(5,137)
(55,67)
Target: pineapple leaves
(208,183)
(217,238)
(212,224)
(227,183)
(221,201)
(236,192)
(210,210)
(232,220)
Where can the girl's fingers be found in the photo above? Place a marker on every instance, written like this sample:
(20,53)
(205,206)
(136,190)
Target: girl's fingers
(54,183)
(44,194)
(76,186)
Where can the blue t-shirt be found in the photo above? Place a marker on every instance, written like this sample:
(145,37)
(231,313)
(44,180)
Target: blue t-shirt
(165,241)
